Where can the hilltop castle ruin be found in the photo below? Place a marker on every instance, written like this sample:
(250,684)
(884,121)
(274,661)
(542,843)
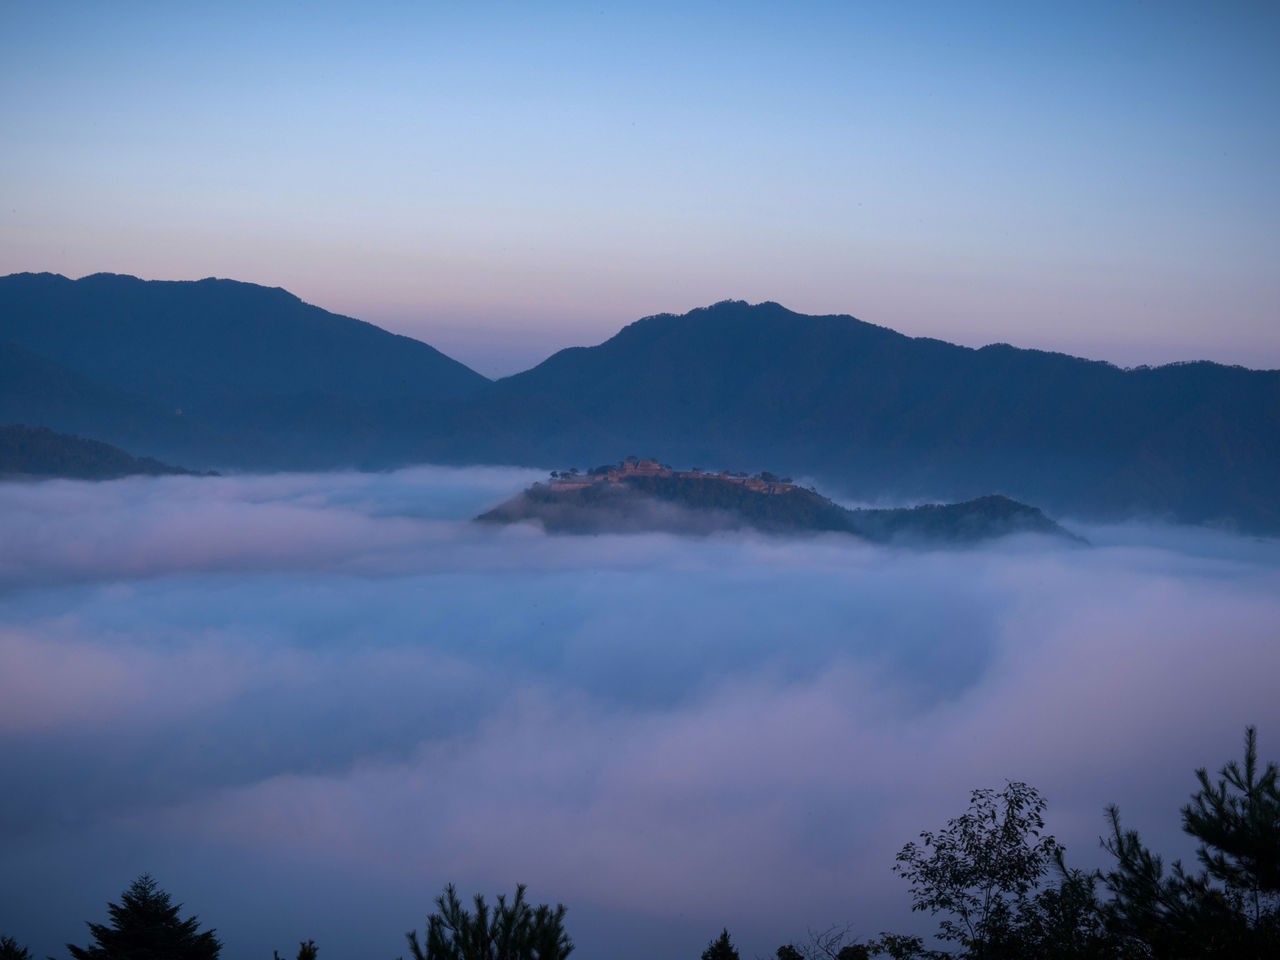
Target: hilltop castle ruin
(620,473)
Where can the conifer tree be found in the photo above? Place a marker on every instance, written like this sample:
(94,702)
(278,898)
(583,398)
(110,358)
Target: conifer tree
(1237,822)
(11,950)
(514,931)
(306,951)
(721,948)
(145,926)
(1230,909)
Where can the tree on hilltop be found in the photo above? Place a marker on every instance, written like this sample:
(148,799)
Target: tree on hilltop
(833,943)
(981,868)
(1237,822)
(514,931)
(145,926)
(306,951)
(721,948)
(1230,909)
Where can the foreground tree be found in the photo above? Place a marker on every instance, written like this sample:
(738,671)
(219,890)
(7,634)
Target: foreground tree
(721,948)
(10,949)
(833,943)
(1231,909)
(1157,913)
(981,869)
(985,871)
(145,926)
(1064,921)
(306,951)
(1237,822)
(514,931)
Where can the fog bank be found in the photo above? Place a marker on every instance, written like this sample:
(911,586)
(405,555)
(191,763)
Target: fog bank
(306,702)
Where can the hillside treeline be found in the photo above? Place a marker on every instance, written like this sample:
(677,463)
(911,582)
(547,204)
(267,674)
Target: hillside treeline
(999,886)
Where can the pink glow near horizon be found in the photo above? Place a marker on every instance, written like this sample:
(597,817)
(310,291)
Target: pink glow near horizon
(1096,181)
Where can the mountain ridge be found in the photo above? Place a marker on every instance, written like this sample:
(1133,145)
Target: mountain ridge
(233,374)
(867,410)
(871,410)
(215,334)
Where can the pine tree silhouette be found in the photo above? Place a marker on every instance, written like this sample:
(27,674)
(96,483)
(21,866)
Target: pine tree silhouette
(721,948)
(145,926)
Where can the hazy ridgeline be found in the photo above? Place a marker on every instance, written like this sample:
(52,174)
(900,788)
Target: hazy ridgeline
(305,702)
(234,376)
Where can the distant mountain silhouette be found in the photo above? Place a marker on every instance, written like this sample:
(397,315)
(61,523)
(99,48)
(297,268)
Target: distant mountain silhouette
(873,413)
(251,374)
(36,390)
(217,373)
(616,500)
(39,452)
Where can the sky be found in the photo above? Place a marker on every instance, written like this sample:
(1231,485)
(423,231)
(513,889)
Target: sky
(304,703)
(506,179)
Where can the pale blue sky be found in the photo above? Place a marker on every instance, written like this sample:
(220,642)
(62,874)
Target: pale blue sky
(505,179)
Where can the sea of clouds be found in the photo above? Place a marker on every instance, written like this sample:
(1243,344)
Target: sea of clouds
(306,702)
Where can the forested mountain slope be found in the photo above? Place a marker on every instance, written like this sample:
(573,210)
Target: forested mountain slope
(222,374)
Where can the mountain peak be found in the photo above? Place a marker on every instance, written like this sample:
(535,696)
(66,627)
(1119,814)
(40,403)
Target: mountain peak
(238,358)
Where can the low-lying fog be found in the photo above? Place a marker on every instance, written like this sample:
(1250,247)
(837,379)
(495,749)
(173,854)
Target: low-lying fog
(306,702)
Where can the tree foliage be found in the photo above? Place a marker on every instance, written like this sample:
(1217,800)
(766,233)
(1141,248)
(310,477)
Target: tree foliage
(507,931)
(1063,920)
(721,948)
(1000,883)
(1231,908)
(833,943)
(981,868)
(987,873)
(1237,821)
(145,926)
(306,951)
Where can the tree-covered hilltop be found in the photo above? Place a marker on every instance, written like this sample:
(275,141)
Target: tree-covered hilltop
(983,518)
(626,499)
(39,452)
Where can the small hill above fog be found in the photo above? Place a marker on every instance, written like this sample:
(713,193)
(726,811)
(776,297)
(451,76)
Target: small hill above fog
(643,495)
(39,452)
